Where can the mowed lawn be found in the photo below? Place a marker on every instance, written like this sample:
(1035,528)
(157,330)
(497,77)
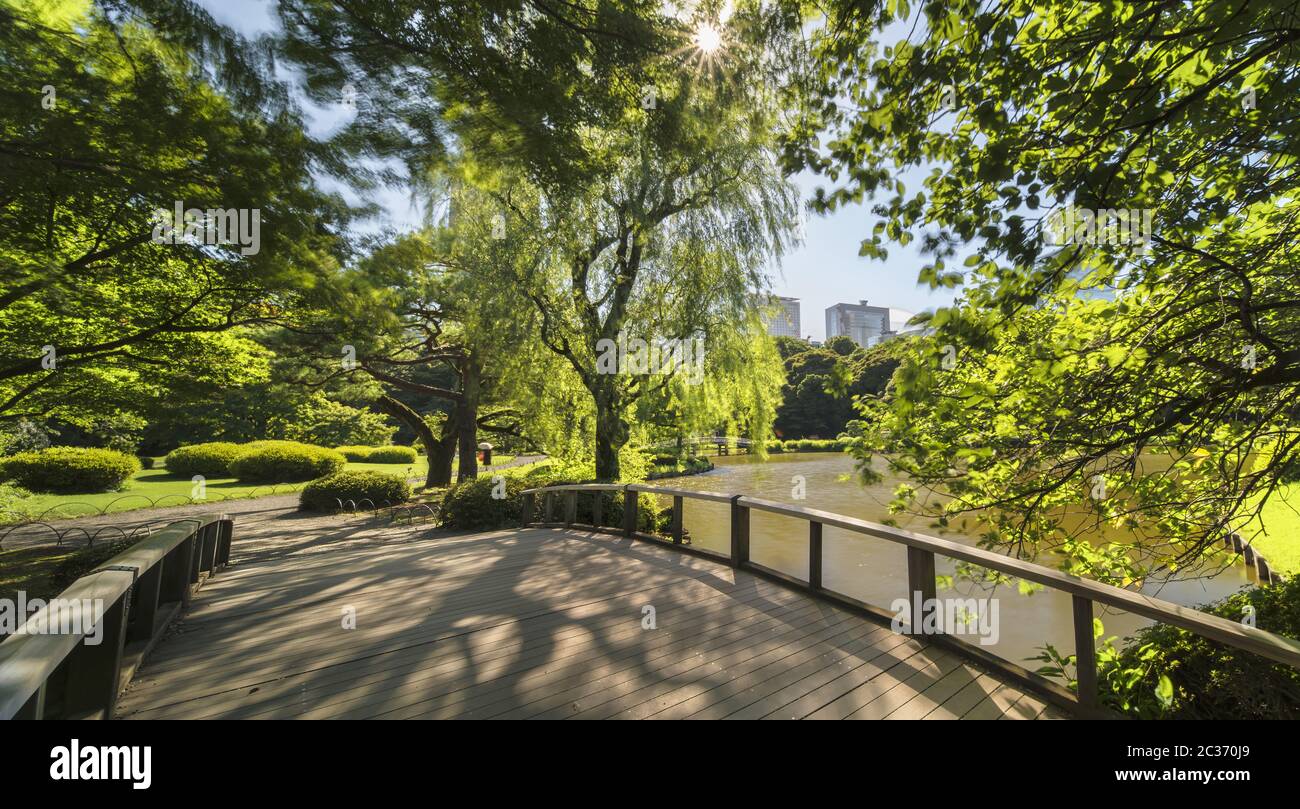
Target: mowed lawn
(1280,542)
(157,487)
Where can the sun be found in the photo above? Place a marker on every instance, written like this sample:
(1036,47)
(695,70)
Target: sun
(707,38)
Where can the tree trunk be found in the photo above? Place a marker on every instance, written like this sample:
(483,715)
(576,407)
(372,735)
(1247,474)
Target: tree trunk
(400,411)
(611,433)
(440,462)
(466,414)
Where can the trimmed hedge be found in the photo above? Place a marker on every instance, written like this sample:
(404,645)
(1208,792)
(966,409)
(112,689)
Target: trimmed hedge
(67,470)
(354,454)
(379,488)
(388,454)
(285,462)
(211,460)
(814,445)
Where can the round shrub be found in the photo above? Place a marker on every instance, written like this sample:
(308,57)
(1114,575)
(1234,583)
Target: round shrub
(388,454)
(379,488)
(391,454)
(70,469)
(355,454)
(471,506)
(211,460)
(285,462)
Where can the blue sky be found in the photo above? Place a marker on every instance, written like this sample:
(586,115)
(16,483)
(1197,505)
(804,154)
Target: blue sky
(823,271)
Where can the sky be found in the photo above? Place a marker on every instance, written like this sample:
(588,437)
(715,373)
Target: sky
(823,270)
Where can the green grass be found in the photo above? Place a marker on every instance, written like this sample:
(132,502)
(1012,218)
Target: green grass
(157,487)
(1280,542)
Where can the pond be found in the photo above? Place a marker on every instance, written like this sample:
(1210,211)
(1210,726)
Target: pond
(875,571)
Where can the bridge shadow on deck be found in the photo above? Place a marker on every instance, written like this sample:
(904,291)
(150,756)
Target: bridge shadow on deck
(535,623)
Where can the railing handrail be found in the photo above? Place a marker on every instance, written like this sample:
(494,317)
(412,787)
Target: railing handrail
(29,659)
(1266,644)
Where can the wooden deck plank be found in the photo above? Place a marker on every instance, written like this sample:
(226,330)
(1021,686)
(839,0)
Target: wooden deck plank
(536,623)
(801,670)
(818,698)
(595,675)
(970,695)
(936,693)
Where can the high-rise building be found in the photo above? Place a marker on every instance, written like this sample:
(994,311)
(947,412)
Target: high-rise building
(785,321)
(863,324)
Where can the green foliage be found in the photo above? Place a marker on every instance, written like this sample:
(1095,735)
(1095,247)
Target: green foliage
(822,381)
(328,423)
(388,454)
(11,501)
(133,128)
(470,505)
(22,436)
(285,462)
(674,467)
(69,469)
(1164,362)
(379,488)
(1165,672)
(212,460)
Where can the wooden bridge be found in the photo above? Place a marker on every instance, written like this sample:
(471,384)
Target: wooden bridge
(354,618)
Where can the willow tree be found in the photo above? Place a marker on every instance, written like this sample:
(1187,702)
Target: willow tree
(1146,377)
(629,144)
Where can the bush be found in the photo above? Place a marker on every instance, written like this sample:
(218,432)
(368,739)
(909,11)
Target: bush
(679,467)
(809,445)
(388,454)
(211,460)
(70,469)
(392,454)
(379,488)
(1170,673)
(470,506)
(285,462)
(11,503)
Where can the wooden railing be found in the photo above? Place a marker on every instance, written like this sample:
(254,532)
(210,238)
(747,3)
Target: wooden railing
(127,602)
(921,553)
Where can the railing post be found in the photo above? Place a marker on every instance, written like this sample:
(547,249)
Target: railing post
(225,535)
(196,555)
(1085,652)
(570,507)
(629,512)
(920,582)
(209,539)
(94,671)
(815,555)
(144,605)
(739,532)
(176,574)
(677,519)
(529,497)
(597,508)
(548,506)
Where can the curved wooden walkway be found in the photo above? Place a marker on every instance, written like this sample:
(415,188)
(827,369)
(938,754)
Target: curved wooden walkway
(534,623)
